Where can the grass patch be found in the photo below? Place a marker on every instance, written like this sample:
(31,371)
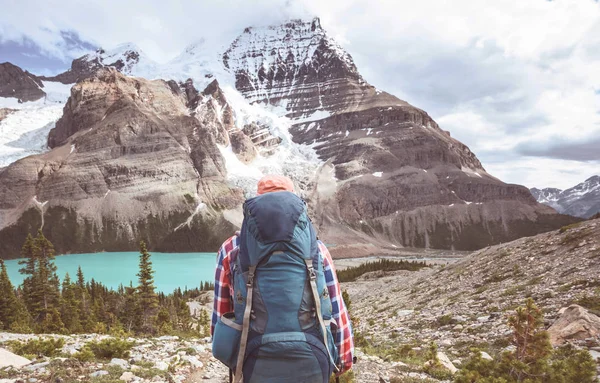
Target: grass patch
(569,227)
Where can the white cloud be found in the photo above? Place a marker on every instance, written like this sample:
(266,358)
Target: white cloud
(501,76)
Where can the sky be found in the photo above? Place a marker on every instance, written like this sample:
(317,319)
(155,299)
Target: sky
(517,81)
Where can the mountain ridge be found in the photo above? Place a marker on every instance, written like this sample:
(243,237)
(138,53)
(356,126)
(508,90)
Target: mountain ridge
(374,169)
(581,200)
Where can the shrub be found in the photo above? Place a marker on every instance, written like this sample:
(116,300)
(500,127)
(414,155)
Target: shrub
(84,355)
(38,347)
(445,320)
(111,348)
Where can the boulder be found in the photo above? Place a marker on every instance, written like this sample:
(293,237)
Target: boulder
(7,358)
(576,323)
(445,361)
(119,362)
(127,376)
(486,356)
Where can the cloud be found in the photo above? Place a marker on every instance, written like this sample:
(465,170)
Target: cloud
(518,82)
(577,151)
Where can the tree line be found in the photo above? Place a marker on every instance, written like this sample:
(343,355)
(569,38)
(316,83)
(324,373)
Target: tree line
(44,304)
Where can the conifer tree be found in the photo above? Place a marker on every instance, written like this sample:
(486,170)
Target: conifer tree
(69,309)
(147,298)
(9,305)
(29,272)
(130,315)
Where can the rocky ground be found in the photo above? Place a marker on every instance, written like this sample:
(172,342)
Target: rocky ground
(458,305)
(465,304)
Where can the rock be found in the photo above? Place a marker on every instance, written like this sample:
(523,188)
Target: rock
(168,338)
(485,356)
(456,362)
(163,366)
(127,376)
(445,361)
(98,373)
(7,358)
(445,342)
(483,319)
(36,366)
(119,362)
(595,355)
(458,327)
(576,323)
(194,361)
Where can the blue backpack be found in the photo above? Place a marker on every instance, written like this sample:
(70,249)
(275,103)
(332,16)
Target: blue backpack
(279,330)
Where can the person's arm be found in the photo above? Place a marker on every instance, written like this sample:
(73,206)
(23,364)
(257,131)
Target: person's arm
(343,336)
(222,297)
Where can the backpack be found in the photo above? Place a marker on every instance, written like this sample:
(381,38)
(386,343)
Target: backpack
(279,330)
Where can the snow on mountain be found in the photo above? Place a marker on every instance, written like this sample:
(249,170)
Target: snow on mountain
(25,131)
(582,200)
(128,58)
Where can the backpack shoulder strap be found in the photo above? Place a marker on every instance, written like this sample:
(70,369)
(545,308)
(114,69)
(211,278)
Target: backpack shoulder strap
(313,285)
(245,325)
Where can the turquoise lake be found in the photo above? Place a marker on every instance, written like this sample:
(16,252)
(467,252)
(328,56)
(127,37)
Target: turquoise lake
(172,270)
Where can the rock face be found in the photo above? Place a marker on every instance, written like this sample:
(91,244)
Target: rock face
(576,323)
(129,162)
(582,200)
(399,177)
(20,84)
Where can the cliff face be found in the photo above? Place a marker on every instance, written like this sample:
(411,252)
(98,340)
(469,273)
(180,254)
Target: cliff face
(129,161)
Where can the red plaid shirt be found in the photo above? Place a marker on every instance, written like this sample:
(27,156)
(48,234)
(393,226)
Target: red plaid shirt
(223,302)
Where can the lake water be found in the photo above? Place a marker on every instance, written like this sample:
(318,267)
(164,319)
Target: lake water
(172,270)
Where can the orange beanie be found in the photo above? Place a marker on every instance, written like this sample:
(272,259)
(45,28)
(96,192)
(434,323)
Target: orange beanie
(272,183)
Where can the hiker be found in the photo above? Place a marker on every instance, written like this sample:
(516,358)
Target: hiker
(282,334)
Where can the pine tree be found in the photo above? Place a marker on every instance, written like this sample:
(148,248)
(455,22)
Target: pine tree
(70,307)
(9,305)
(131,315)
(41,285)
(29,271)
(148,300)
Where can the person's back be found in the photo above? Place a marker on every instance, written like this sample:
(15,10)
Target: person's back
(282,332)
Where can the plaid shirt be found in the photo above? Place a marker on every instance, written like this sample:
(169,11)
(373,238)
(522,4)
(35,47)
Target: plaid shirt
(223,302)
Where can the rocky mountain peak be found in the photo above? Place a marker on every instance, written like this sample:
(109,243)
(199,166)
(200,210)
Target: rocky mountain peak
(18,83)
(127,58)
(582,200)
(294,65)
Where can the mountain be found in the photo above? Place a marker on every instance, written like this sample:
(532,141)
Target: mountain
(127,58)
(170,160)
(20,84)
(390,172)
(582,200)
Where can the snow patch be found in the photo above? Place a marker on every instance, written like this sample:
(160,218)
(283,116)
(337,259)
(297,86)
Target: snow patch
(378,174)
